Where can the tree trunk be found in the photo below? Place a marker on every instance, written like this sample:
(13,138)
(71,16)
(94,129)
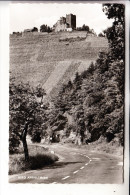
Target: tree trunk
(25,146)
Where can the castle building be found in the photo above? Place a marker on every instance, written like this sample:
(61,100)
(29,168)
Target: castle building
(71,21)
(65,24)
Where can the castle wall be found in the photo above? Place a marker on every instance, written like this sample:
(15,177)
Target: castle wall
(60,27)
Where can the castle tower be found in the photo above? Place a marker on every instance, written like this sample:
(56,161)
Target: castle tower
(71,21)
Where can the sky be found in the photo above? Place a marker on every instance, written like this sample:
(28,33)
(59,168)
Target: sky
(29,15)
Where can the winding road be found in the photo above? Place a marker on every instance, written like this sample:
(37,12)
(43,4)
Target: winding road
(76,165)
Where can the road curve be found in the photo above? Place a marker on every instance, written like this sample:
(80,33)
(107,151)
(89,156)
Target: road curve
(76,165)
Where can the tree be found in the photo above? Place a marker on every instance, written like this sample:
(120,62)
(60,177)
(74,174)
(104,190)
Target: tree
(85,28)
(116,38)
(45,28)
(116,33)
(35,29)
(26,114)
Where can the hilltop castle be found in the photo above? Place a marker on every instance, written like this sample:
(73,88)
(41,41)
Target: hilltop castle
(65,24)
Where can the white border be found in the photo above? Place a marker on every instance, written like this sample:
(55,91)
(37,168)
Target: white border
(66,189)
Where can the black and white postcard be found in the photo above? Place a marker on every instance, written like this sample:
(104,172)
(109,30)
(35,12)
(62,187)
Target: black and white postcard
(67,97)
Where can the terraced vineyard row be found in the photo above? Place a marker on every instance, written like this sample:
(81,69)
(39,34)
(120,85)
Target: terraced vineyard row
(43,58)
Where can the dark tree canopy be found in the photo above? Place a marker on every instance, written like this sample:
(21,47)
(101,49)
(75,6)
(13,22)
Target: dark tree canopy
(83,28)
(35,29)
(116,33)
(45,28)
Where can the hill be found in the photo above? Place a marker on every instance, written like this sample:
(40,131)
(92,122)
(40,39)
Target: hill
(52,59)
(87,101)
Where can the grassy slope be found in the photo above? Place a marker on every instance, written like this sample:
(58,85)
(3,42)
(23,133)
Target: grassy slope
(42,58)
(39,158)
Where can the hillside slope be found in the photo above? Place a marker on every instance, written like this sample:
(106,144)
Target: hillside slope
(52,59)
(95,98)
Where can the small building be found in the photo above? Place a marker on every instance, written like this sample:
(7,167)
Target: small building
(34,29)
(27,30)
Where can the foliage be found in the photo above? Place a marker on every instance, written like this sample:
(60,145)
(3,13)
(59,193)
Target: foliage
(116,33)
(35,29)
(45,28)
(26,112)
(83,28)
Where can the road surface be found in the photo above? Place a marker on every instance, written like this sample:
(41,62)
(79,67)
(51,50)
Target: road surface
(76,166)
